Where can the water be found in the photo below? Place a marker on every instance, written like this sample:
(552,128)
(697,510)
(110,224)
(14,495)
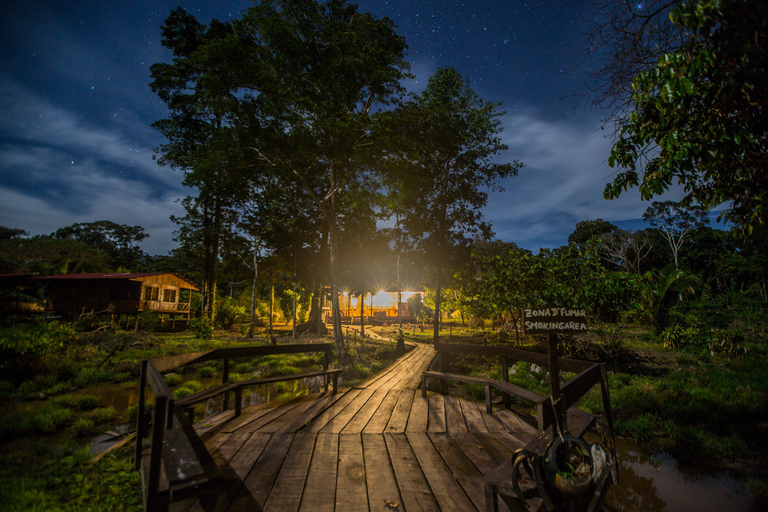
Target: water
(654,481)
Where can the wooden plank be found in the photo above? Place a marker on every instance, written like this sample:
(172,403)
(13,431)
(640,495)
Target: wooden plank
(319,495)
(463,469)
(449,494)
(249,414)
(454,419)
(419,416)
(286,494)
(385,375)
(472,416)
(351,490)
(360,419)
(515,424)
(425,359)
(284,407)
(436,414)
(256,487)
(303,404)
(414,489)
(493,447)
(477,453)
(510,441)
(399,418)
(320,404)
(340,421)
(331,412)
(379,476)
(242,462)
(492,422)
(229,448)
(381,417)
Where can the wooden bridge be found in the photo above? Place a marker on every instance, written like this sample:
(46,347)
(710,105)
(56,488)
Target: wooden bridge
(380,445)
(377,446)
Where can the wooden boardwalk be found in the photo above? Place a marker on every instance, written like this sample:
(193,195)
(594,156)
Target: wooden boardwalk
(377,446)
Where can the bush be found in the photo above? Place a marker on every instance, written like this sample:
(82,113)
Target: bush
(228,313)
(206,371)
(83,427)
(149,320)
(172,379)
(24,352)
(202,327)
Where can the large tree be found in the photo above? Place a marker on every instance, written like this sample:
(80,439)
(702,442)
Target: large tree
(700,117)
(676,222)
(201,88)
(320,72)
(441,177)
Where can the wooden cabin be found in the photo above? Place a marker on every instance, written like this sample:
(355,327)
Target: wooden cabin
(129,293)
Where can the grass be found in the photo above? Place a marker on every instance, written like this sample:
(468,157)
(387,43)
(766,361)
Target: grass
(43,448)
(705,409)
(34,477)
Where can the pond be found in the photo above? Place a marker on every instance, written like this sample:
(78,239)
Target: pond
(651,480)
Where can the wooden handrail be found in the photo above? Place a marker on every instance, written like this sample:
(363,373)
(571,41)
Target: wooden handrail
(166,411)
(588,374)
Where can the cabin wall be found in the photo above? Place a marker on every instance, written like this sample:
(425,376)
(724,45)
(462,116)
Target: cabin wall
(93,295)
(162,294)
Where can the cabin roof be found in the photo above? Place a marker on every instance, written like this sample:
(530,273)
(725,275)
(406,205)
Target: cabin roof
(131,276)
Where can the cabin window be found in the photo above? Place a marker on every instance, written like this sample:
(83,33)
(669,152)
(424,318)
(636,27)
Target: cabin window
(151,293)
(169,295)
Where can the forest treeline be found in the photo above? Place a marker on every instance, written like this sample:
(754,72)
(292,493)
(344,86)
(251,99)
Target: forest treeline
(298,141)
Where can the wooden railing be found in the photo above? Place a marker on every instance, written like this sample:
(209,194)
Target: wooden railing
(178,465)
(587,376)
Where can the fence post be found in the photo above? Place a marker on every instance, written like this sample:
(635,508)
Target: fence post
(505,377)
(140,424)
(156,452)
(224,380)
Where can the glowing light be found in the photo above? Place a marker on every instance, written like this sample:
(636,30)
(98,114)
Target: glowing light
(382,299)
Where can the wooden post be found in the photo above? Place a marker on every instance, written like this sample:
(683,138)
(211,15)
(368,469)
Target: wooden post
(505,378)
(140,425)
(554,381)
(155,457)
(224,380)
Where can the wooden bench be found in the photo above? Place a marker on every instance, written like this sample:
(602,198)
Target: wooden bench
(177,466)
(505,387)
(188,402)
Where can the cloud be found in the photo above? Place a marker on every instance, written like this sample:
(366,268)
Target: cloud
(561,184)
(31,121)
(56,170)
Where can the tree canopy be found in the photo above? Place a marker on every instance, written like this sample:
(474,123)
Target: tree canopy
(439,181)
(700,116)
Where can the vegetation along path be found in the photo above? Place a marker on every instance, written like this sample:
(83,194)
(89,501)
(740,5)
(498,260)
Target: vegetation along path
(376,446)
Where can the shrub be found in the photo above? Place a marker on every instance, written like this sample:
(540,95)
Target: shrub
(228,313)
(206,371)
(202,327)
(103,414)
(172,379)
(24,352)
(83,427)
(149,320)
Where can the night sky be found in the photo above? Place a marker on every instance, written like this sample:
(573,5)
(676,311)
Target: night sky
(76,143)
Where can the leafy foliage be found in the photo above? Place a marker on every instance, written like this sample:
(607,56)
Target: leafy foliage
(703,107)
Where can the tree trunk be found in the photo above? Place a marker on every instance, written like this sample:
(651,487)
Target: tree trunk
(315,324)
(436,331)
(293,330)
(362,314)
(271,298)
(252,323)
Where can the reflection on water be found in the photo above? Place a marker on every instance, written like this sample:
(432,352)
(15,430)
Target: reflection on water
(653,481)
